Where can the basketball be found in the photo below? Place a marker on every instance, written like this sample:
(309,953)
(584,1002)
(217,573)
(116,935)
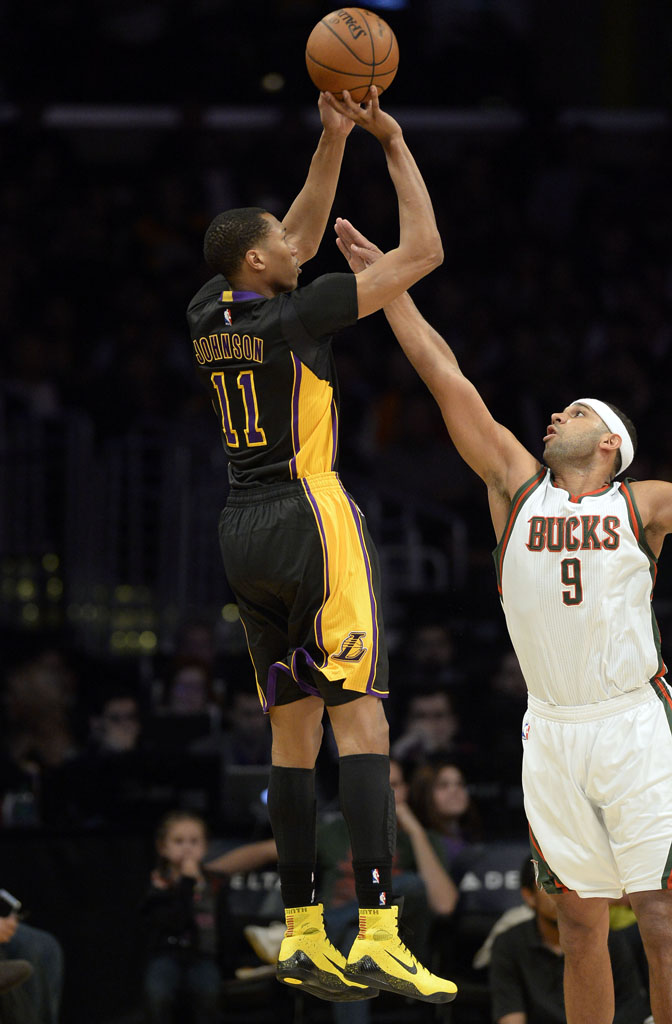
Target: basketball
(352,49)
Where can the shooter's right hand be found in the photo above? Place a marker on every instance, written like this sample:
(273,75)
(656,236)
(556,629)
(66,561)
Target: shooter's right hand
(368,115)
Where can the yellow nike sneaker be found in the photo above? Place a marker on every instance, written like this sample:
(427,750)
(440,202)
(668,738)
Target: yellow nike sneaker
(379,958)
(308,960)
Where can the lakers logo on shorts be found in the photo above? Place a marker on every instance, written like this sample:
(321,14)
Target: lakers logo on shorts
(352,648)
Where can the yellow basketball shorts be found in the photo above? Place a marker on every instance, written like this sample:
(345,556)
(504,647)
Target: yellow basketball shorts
(305,572)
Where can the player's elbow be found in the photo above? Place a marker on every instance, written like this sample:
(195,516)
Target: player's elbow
(427,254)
(436,251)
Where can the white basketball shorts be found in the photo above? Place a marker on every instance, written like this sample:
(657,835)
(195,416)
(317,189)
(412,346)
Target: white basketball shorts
(597,781)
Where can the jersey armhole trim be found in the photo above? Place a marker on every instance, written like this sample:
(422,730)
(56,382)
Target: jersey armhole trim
(517,503)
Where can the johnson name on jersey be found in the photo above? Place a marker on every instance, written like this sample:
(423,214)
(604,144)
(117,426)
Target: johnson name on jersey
(269,368)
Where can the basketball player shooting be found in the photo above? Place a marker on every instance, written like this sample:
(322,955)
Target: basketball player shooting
(296,548)
(575,563)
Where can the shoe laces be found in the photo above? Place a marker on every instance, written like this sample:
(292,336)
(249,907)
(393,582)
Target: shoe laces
(404,948)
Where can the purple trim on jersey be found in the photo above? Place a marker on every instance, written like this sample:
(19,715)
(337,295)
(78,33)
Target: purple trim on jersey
(374,656)
(279,667)
(306,687)
(334,433)
(243,296)
(318,619)
(271,684)
(296,441)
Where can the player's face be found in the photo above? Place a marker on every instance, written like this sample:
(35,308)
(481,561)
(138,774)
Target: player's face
(280,254)
(572,435)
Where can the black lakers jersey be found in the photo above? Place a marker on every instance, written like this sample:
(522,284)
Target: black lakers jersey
(269,366)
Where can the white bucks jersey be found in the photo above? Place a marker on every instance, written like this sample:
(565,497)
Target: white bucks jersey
(575,577)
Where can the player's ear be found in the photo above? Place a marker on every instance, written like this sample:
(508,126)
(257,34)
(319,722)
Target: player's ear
(613,442)
(254,258)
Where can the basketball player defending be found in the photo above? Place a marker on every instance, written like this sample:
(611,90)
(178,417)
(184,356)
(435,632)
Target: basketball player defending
(296,548)
(575,563)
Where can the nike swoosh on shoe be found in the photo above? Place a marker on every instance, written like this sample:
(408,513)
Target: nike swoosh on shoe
(411,970)
(343,974)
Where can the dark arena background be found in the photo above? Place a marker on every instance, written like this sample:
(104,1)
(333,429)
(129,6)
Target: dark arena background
(543,132)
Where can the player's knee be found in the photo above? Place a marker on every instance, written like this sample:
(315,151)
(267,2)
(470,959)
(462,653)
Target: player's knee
(579,938)
(297,748)
(654,918)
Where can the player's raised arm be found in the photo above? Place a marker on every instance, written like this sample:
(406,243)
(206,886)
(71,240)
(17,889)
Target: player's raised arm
(489,448)
(419,250)
(307,217)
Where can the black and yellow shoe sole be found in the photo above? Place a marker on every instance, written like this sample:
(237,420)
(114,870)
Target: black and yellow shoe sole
(301,973)
(367,972)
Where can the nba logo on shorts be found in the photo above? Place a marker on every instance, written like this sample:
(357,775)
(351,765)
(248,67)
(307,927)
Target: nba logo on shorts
(375,876)
(526,730)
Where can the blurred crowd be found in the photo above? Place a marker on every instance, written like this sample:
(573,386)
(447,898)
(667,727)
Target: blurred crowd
(91,745)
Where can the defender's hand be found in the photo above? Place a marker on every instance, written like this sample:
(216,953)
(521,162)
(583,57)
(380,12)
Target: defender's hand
(357,249)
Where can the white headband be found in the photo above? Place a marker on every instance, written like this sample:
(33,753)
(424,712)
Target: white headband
(615,424)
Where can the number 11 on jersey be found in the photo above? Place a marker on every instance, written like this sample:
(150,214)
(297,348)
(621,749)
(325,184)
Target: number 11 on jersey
(254,434)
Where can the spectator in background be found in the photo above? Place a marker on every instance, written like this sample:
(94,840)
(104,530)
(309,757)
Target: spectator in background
(179,912)
(105,784)
(13,973)
(429,651)
(40,735)
(189,717)
(196,639)
(246,738)
(440,798)
(20,943)
(527,963)
(194,642)
(432,727)
(117,726)
(15,1007)
(42,950)
(189,690)
(507,703)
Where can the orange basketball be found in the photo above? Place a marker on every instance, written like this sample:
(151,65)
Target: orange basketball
(352,49)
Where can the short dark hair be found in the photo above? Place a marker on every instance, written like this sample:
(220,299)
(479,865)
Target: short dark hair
(229,237)
(630,427)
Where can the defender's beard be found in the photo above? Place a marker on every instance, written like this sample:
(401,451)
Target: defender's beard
(574,452)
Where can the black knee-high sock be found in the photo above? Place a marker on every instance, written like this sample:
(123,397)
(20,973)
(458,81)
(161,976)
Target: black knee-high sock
(292,810)
(367,802)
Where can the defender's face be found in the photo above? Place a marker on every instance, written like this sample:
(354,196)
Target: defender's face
(572,433)
(282,266)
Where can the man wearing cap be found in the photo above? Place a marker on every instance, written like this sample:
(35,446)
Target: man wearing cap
(575,563)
